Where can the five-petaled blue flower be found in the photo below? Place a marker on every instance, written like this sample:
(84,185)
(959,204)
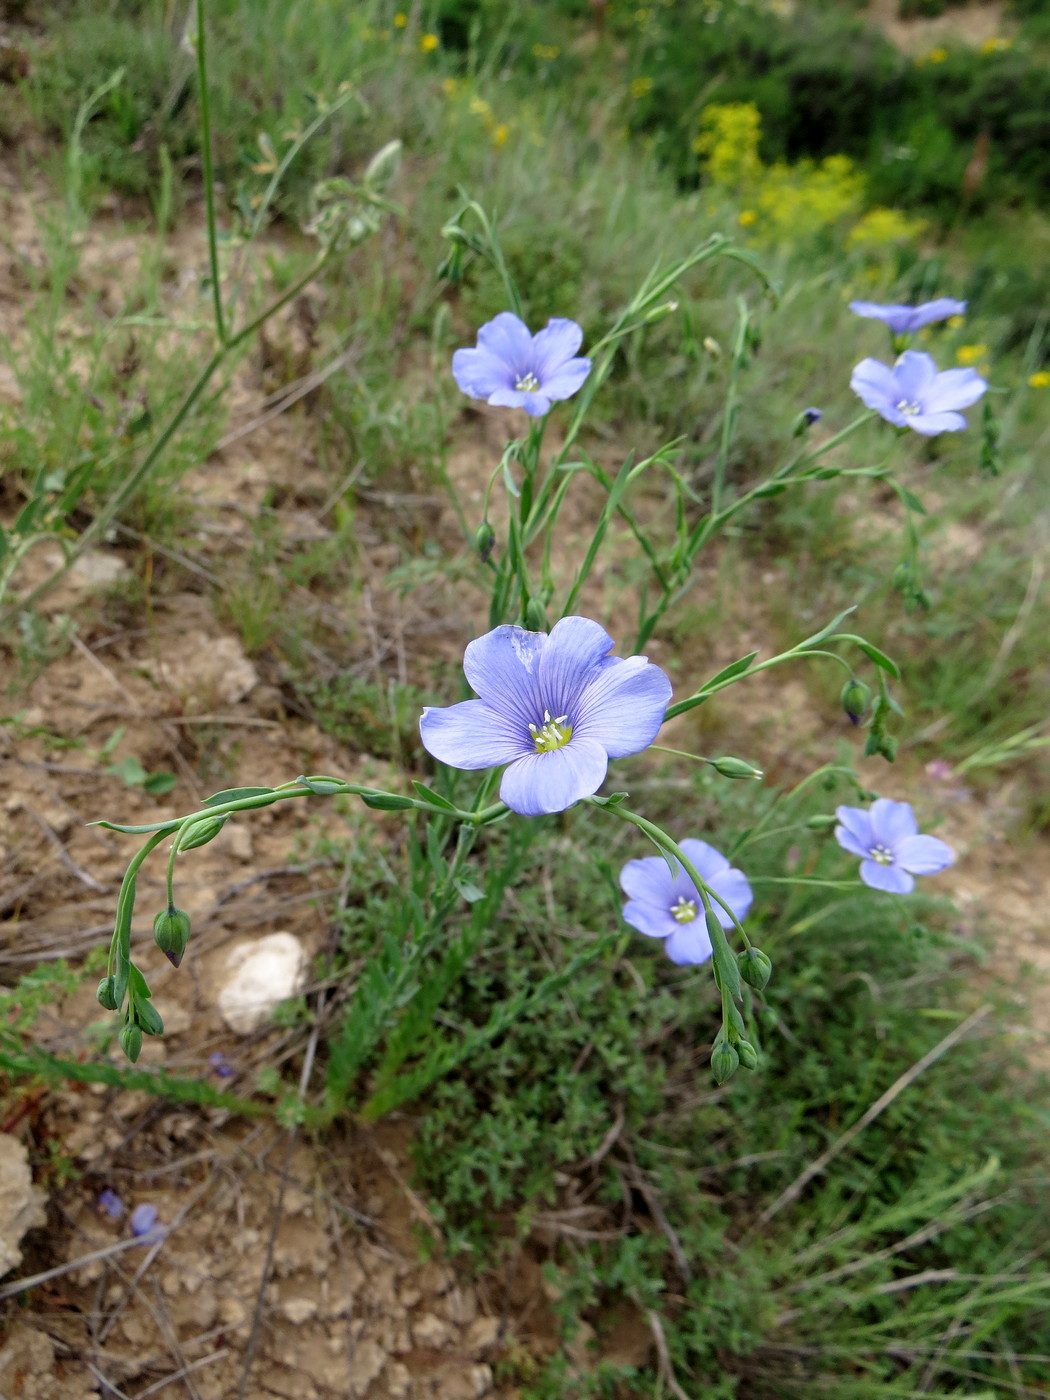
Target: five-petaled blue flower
(670,907)
(904,320)
(912,394)
(888,842)
(554,707)
(512,368)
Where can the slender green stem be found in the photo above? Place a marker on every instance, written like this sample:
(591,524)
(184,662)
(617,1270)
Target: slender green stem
(827,770)
(209,175)
(691,702)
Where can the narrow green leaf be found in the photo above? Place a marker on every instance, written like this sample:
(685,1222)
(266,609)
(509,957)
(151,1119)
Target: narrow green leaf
(729,672)
(880,658)
(825,632)
(386,801)
(219,799)
(136,830)
(434,798)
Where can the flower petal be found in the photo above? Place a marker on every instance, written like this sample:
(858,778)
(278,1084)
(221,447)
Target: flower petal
(623,706)
(954,389)
(924,855)
(535,405)
(557,343)
(573,654)
(551,782)
(938,310)
(874,384)
(689,943)
(648,880)
(892,821)
(503,668)
(707,860)
(898,318)
(931,424)
(857,822)
(733,887)
(479,373)
(915,373)
(568,379)
(851,843)
(472,735)
(890,878)
(650,919)
(508,339)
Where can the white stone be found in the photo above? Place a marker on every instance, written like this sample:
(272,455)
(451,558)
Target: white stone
(21,1204)
(258,977)
(368,1360)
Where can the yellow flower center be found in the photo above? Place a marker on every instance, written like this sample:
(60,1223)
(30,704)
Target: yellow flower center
(685,910)
(552,733)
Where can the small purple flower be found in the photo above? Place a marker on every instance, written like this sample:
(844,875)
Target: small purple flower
(143,1219)
(888,842)
(221,1065)
(512,368)
(662,906)
(554,707)
(111,1204)
(914,395)
(812,415)
(904,320)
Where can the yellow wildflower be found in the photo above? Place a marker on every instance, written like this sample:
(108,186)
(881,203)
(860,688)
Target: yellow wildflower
(1040,380)
(881,227)
(450,86)
(746,218)
(479,107)
(970,354)
(954,322)
(428,42)
(500,134)
(641,86)
(400,20)
(937,55)
(995,45)
(547,51)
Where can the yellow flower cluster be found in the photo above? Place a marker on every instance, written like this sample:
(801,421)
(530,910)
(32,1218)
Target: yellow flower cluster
(728,143)
(937,55)
(1040,380)
(970,354)
(796,200)
(640,87)
(547,51)
(477,107)
(881,228)
(996,45)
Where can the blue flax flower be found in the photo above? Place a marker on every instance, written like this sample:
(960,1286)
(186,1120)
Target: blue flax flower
(512,368)
(914,395)
(664,906)
(144,1220)
(111,1204)
(905,320)
(888,842)
(554,707)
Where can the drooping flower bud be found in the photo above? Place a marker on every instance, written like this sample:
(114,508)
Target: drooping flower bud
(171,933)
(730,767)
(200,833)
(805,420)
(107,994)
(484,541)
(535,616)
(820,821)
(130,1040)
(755,967)
(748,1054)
(724,1062)
(855,699)
(148,1018)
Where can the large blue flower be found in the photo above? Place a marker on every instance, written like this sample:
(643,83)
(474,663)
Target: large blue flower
(912,394)
(904,320)
(511,368)
(888,842)
(554,707)
(664,906)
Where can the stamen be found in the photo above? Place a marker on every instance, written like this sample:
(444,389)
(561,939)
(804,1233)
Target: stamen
(909,407)
(882,854)
(528,383)
(685,910)
(552,733)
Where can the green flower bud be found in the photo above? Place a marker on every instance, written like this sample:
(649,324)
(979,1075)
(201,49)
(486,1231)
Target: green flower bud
(107,994)
(821,822)
(535,616)
(855,699)
(148,1018)
(885,745)
(200,833)
(735,768)
(171,933)
(724,1062)
(748,1054)
(755,968)
(484,541)
(667,308)
(130,1040)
